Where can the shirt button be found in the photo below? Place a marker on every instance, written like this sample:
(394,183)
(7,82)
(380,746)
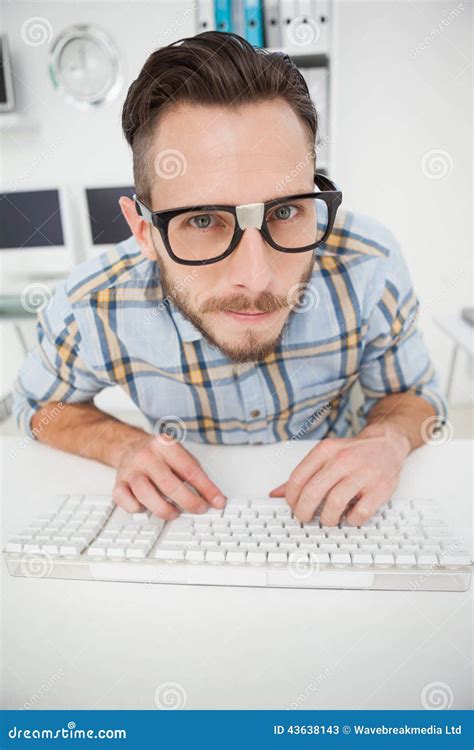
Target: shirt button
(255,413)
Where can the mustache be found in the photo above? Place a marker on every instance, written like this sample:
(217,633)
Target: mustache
(265,302)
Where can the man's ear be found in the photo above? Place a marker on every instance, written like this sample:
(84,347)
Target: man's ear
(140,228)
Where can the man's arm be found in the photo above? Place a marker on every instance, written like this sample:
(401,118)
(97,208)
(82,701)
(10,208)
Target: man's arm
(53,403)
(150,469)
(402,406)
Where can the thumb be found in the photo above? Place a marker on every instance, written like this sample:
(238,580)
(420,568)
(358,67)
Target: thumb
(279,491)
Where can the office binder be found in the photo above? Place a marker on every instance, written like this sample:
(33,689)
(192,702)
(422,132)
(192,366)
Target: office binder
(271,22)
(205,19)
(253,22)
(223,15)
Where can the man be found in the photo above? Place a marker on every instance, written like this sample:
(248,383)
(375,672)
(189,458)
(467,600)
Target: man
(200,315)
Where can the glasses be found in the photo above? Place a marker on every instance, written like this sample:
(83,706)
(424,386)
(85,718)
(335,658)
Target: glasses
(200,235)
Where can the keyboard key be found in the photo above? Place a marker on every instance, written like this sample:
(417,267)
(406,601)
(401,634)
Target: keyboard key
(71,548)
(455,558)
(195,555)
(340,558)
(362,558)
(236,556)
(403,558)
(217,555)
(380,559)
(256,557)
(135,551)
(97,550)
(425,558)
(169,554)
(277,557)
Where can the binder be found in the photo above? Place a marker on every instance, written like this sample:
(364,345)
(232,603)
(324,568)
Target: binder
(223,15)
(205,20)
(287,16)
(271,22)
(253,22)
(238,26)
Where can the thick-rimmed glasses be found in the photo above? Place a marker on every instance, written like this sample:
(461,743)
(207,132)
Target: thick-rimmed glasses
(200,235)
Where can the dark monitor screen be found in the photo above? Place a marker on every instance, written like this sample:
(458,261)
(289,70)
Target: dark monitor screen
(30,219)
(108,226)
(3,86)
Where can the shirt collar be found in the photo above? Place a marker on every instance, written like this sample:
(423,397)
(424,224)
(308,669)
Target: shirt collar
(187,331)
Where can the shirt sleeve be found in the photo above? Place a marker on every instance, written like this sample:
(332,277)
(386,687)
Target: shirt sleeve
(395,357)
(55,369)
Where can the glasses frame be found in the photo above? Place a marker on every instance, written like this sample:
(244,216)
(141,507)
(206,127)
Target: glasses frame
(250,214)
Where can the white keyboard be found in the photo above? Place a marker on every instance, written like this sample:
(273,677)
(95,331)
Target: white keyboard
(252,542)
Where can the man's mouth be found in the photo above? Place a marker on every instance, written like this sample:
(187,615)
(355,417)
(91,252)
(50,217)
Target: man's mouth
(253,316)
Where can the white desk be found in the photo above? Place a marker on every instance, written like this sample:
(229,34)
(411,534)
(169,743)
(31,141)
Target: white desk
(76,644)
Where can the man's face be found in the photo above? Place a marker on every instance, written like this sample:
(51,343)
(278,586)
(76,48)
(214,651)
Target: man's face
(260,152)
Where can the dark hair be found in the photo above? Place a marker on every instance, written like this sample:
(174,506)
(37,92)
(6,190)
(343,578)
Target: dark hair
(211,68)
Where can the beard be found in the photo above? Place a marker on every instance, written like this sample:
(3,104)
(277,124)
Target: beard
(252,346)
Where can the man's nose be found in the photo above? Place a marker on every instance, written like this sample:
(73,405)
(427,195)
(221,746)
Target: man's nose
(251,263)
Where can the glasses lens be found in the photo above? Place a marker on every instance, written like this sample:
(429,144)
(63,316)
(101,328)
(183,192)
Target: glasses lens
(298,223)
(201,235)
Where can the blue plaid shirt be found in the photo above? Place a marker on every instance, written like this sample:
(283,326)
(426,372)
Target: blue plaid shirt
(109,324)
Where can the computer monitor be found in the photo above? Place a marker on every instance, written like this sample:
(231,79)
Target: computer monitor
(105,223)
(7,100)
(35,235)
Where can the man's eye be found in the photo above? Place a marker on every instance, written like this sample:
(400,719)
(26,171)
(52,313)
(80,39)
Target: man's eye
(282,213)
(203,221)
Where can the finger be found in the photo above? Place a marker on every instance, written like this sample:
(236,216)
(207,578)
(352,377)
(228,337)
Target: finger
(366,507)
(188,467)
(124,498)
(337,501)
(279,491)
(148,495)
(312,463)
(174,488)
(314,492)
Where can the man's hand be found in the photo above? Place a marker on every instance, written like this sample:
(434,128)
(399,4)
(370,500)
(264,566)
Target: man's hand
(336,471)
(154,467)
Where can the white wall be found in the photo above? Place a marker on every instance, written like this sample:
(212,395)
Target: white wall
(392,104)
